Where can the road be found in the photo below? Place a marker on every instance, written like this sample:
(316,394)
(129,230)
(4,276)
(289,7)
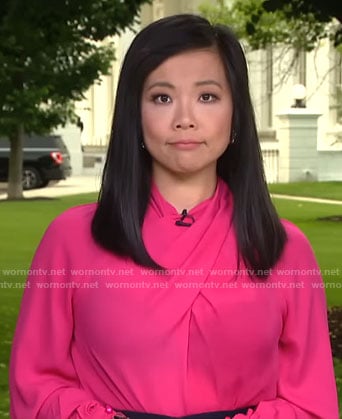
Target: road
(71,186)
(91,183)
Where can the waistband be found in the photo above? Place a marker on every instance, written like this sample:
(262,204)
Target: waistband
(222,414)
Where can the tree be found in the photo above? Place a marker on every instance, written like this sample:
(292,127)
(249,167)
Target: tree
(50,54)
(322,10)
(293,25)
(300,24)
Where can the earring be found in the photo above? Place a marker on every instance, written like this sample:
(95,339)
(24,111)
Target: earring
(142,145)
(233,137)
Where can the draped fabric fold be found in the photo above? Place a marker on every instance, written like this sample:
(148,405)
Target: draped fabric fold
(97,330)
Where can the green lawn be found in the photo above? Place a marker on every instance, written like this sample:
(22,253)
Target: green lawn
(325,238)
(23,223)
(329,190)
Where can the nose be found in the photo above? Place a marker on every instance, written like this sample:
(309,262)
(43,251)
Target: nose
(184,117)
(185,125)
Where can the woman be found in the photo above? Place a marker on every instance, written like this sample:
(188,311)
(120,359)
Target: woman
(180,293)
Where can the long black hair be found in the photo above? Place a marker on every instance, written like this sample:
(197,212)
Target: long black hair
(126,181)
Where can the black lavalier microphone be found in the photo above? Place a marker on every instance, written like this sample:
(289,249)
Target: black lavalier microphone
(185,216)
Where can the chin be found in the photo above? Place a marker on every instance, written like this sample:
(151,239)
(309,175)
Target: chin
(192,171)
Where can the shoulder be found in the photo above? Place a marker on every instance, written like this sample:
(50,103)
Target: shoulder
(80,213)
(295,235)
(297,248)
(73,222)
(68,237)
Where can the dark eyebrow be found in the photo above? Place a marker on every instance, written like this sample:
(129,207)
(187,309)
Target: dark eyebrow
(206,82)
(171,86)
(161,84)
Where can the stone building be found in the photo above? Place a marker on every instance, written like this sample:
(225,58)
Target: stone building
(271,84)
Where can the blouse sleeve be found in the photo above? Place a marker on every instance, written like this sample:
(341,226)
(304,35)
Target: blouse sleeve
(43,381)
(306,384)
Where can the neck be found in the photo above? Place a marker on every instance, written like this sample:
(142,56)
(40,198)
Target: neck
(185,192)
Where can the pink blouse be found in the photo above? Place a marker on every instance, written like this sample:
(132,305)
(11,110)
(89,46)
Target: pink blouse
(97,330)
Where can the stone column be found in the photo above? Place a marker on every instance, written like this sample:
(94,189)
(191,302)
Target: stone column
(297,135)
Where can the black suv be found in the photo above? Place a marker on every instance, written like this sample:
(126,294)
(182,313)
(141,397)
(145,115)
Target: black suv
(45,158)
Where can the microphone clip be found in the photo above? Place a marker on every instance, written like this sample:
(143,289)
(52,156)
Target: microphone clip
(185,215)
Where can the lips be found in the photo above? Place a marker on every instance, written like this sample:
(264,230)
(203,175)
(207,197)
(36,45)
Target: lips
(186,144)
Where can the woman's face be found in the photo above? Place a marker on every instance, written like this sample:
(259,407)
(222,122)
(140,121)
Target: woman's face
(186,113)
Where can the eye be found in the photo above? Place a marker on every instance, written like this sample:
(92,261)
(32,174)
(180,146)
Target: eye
(161,98)
(208,97)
